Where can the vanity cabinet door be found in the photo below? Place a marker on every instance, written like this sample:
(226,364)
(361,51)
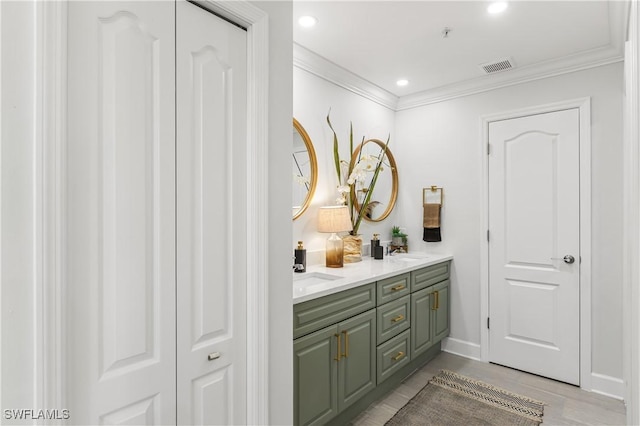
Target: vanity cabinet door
(441,311)
(315,372)
(421,324)
(357,366)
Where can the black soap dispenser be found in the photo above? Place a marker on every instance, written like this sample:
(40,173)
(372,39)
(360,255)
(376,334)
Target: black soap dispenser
(300,258)
(375,243)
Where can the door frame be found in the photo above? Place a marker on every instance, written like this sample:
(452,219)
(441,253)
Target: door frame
(584,110)
(50,199)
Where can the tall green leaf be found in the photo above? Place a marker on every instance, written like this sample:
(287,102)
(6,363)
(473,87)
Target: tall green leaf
(336,153)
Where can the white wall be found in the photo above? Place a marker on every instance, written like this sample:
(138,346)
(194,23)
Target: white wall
(441,144)
(312,99)
(18,243)
(279,251)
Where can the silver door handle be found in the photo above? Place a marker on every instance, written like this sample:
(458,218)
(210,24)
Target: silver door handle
(567,259)
(214,355)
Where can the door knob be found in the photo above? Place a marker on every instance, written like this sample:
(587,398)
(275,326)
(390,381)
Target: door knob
(567,259)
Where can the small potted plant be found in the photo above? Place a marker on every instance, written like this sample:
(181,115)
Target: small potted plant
(398,238)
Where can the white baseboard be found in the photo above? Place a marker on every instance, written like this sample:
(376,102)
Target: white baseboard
(607,385)
(462,348)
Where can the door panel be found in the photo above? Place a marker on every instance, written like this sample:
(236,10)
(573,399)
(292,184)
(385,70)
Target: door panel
(315,366)
(441,311)
(421,335)
(120,213)
(357,368)
(211,218)
(534,222)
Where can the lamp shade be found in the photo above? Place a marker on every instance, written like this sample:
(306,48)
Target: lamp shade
(334,219)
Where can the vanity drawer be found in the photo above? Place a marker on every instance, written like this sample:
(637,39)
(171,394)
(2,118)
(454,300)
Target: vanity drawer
(393,318)
(393,288)
(393,355)
(319,313)
(423,278)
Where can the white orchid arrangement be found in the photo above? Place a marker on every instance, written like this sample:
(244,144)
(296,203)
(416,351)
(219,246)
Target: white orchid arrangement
(356,175)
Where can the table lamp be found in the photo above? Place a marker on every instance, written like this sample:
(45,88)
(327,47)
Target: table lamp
(334,219)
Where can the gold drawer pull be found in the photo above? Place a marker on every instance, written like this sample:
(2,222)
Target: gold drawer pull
(398,318)
(398,287)
(337,358)
(399,356)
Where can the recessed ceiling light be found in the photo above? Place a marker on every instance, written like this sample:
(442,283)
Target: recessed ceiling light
(402,82)
(307,21)
(497,7)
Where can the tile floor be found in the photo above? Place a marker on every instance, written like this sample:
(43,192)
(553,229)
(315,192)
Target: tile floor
(566,404)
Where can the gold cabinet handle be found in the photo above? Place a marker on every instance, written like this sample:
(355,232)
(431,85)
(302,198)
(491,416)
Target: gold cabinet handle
(398,287)
(400,355)
(337,358)
(437,300)
(346,344)
(398,318)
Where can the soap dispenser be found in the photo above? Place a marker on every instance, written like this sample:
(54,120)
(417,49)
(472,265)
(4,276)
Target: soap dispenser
(300,258)
(375,243)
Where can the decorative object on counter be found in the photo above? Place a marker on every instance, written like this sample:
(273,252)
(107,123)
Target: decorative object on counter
(305,170)
(300,258)
(352,248)
(398,241)
(378,252)
(375,242)
(359,177)
(432,203)
(333,219)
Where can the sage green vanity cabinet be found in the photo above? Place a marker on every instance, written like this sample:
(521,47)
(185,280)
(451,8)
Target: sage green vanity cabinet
(318,313)
(429,316)
(393,288)
(421,323)
(357,364)
(315,377)
(425,277)
(441,311)
(393,318)
(393,355)
(353,346)
(333,368)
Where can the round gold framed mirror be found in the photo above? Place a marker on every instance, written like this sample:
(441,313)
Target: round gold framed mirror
(305,170)
(386,185)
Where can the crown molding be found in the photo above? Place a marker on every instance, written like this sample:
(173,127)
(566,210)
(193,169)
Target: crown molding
(313,63)
(578,62)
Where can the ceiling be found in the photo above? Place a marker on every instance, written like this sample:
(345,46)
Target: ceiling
(383,41)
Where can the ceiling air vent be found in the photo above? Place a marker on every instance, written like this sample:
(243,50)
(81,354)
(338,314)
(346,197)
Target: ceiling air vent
(497,66)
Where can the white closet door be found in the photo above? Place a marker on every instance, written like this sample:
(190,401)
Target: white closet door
(120,227)
(211,218)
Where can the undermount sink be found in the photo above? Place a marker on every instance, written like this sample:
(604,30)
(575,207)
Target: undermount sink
(406,257)
(312,278)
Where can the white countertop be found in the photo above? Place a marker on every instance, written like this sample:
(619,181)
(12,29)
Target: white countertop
(321,281)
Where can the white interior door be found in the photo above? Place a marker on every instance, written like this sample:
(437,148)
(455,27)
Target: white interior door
(120,227)
(534,223)
(211,218)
